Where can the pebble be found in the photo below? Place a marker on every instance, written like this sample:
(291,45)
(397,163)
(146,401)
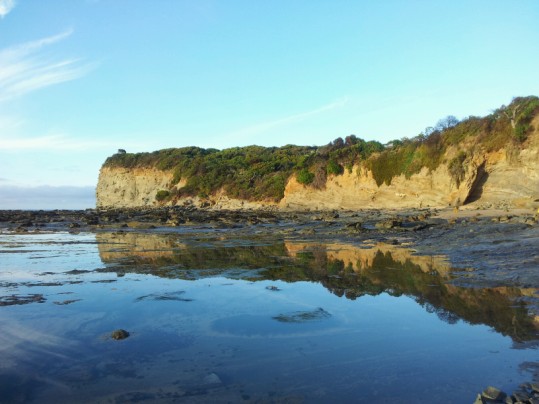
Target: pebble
(119,334)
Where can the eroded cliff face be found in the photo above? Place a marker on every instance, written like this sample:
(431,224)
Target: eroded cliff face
(358,189)
(506,178)
(119,187)
(509,176)
(127,188)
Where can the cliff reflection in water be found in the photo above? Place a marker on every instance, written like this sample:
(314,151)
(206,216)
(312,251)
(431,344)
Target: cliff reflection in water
(344,269)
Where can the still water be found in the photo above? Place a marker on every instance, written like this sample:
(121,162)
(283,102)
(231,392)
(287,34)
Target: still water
(219,319)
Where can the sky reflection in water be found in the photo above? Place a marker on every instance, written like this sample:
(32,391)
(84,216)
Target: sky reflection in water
(235,320)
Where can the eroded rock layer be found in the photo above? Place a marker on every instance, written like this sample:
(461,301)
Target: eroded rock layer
(507,177)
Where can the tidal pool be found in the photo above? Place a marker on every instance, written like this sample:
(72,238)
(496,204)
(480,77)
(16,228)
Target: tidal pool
(219,319)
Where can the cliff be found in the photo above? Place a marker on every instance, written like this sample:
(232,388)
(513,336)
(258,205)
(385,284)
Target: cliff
(505,178)
(490,161)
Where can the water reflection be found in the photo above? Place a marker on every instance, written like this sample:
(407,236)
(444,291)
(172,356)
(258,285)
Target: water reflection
(248,320)
(344,269)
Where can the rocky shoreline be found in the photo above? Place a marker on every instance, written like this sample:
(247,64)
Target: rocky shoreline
(494,248)
(487,248)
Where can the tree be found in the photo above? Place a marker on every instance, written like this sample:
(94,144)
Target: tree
(429,130)
(338,143)
(446,123)
(350,140)
(511,114)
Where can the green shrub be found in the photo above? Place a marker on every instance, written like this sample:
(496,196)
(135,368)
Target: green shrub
(161,195)
(334,168)
(521,132)
(305,177)
(391,163)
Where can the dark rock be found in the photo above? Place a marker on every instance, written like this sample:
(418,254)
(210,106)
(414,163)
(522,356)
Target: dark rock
(273,288)
(521,395)
(492,393)
(66,302)
(420,226)
(388,224)
(21,299)
(119,334)
(92,220)
(478,400)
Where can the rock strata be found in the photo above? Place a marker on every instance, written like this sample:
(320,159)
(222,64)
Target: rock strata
(503,179)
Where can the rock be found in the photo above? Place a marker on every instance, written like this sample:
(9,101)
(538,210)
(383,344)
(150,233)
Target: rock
(119,334)
(530,221)
(522,396)
(92,220)
(492,393)
(212,378)
(535,387)
(273,288)
(388,224)
(420,226)
(478,400)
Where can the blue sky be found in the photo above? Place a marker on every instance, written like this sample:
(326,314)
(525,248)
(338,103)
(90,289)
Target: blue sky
(81,78)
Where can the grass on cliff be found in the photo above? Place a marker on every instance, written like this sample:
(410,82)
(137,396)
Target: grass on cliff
(261,173)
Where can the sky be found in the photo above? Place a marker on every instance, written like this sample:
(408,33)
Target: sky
(80,79)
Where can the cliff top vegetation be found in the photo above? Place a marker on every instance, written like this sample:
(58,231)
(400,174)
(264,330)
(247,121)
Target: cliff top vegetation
(261,173)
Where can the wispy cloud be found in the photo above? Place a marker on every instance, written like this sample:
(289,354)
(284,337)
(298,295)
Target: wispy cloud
(24,68)
(54,142)
(8,124)
(28,67)
(63,142)
(5,7)
(265,126)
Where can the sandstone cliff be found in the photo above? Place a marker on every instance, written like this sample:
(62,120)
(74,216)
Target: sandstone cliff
(124,187)
(502,178)
(481,161)
(505,178)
